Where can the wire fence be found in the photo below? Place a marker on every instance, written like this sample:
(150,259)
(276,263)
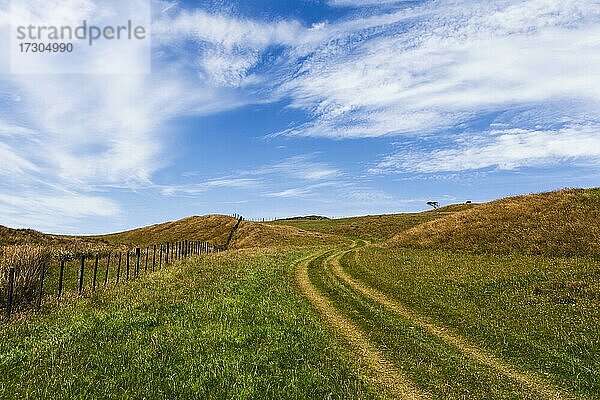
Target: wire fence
(88,272)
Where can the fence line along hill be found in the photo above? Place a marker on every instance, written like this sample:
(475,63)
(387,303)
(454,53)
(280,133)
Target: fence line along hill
(208,228)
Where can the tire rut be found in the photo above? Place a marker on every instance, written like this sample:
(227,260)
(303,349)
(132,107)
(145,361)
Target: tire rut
(479,355)
(383,373)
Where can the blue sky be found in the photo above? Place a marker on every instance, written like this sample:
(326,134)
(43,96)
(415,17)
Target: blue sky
(333,107)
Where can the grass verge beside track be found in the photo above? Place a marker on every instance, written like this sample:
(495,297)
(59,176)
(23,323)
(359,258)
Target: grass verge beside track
(227,326)
(540,314)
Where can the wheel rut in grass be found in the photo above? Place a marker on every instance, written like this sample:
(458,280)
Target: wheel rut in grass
(383,373)
(544,390)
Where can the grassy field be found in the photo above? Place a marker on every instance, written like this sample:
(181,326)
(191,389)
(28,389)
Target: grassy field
(487,301)
(374,227)
(539,314)
(227,326)
(438,369)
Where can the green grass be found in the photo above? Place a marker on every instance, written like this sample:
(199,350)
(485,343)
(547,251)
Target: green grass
(233,325)
(436,367)
(542,314)
(227,326)
(373,227)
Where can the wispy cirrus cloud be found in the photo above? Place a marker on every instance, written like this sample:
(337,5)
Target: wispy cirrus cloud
(449,63)
(303,167)
(408,69)
(201,187)
(90,133)
(507,149)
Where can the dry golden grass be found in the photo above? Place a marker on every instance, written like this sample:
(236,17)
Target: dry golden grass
(9,236)
(370,227)
(210,228)
(253,234)
(28,261)
(561,223)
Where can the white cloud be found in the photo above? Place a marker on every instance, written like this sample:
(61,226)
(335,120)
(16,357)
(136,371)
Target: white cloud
(302,167)
(197,188)
(453,61)
(508,149)
(53,212)
(8,129)
(296,192)
(12,163)
(311,190)
(83,133)
(363,3)
(415,70)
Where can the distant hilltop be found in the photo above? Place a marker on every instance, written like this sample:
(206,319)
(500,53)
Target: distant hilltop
(308,217)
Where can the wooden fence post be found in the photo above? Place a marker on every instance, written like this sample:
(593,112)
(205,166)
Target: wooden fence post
(61,275)
(119,267)
(95,272)
(81,272)
(11,288)
(160,257)
(138,252)
(167,253)
(41,289)
(127,265)
(146,262)
(106,274)
(153,256)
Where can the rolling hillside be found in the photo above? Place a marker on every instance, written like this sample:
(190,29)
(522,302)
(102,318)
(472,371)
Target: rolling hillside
(368,307)
(371,227)
(216,229)
(561,223)
(210,228)
(10,236)
(253,234)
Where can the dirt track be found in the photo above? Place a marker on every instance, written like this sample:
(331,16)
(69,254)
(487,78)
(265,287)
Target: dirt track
(383,372)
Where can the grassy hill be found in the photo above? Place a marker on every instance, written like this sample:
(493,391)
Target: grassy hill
(371,227)
(561,223)
(216,229)
(11,237)
(295,311)
(252,234)
(210,228)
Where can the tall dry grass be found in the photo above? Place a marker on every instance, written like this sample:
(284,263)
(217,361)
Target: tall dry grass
(560,223)
(28,261)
